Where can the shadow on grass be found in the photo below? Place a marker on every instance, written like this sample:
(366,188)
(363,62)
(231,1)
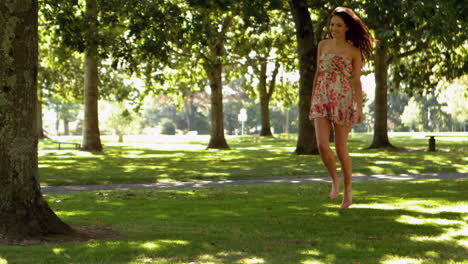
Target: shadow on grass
(273,224)
(247,160)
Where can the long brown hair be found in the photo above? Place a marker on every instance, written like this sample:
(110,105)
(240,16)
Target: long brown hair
(358,33)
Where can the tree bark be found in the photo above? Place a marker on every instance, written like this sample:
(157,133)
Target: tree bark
(266,91)
(217,139)
(66,127)
(307,51)
(264,101)
(91,134)
(214,70)
(380,139)
(24,213)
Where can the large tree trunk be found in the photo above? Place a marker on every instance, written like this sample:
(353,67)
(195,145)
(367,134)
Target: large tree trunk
(307,51)
(217,139)
(23,211)
(91,134)
(381,98)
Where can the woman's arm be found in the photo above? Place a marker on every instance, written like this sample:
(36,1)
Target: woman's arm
(319,54)
(357,86)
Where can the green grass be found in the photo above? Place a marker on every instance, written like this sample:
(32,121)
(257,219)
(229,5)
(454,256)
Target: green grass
(150,159)
(390,222)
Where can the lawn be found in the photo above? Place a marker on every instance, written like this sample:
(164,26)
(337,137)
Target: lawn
(169,158)
(390,222)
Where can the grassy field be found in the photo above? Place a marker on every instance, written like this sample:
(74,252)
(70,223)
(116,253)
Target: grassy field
(391,222)
(169,158)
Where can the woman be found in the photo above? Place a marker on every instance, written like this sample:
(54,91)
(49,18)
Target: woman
(337,92)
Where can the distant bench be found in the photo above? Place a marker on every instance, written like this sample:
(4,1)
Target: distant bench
(76,145)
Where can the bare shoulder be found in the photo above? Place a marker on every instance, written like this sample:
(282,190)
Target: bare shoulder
(355,53)
(324,43)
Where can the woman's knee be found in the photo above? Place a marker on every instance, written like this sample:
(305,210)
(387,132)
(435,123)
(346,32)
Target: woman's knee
(323,147)
(342,153)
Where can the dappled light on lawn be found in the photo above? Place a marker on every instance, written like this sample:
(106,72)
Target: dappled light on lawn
(252,260)
(3,261)
(454,230)
(312,262)
(150,159)
(157,244)
(391,259)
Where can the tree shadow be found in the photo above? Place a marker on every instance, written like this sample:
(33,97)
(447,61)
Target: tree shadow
(273,224)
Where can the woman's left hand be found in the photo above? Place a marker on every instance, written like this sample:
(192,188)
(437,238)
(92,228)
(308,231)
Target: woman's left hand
(360,116)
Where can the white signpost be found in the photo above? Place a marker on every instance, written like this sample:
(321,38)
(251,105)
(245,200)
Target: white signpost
(242,118)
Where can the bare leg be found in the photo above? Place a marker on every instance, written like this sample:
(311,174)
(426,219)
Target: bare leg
(341,145)
(322,133)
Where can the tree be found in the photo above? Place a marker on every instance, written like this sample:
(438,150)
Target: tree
(91,134)
(267,51)
(411,116)
(203,33)
(412,37)
(454,97)
(307,52)
(95,30)
(23,211)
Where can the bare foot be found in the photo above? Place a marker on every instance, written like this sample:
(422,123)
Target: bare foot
(335,191)
(347,199)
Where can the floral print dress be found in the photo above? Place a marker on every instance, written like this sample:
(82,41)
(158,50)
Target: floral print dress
(334,97)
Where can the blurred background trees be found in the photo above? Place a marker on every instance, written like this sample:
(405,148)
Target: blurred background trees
(198,63)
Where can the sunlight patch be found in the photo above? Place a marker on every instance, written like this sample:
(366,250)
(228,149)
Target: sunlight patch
(57,251)
(376,206)
(208,259)
(346,246)
(311,252)
(252,148)
(331,213)
(252,260)
(150,245)
(425,207)
(459,236)
(3,261)
(177,242)
(419,221)
(312,262)
(400,260)
(72,213)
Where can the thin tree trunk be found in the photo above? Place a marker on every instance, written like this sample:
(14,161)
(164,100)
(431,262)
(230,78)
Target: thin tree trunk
(217,139)
(380,139)
(91,134)
(264,101)
(266,91)
(66,127)
(23,211)
(307,51)
(188,110)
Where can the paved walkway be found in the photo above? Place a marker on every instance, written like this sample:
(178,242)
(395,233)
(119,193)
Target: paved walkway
(305,179)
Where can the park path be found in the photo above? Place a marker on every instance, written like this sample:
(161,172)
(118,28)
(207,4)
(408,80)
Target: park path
(295,179)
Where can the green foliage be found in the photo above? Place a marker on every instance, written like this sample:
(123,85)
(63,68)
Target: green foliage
(167,127)
(117,118)
(418,34)
(454,96)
